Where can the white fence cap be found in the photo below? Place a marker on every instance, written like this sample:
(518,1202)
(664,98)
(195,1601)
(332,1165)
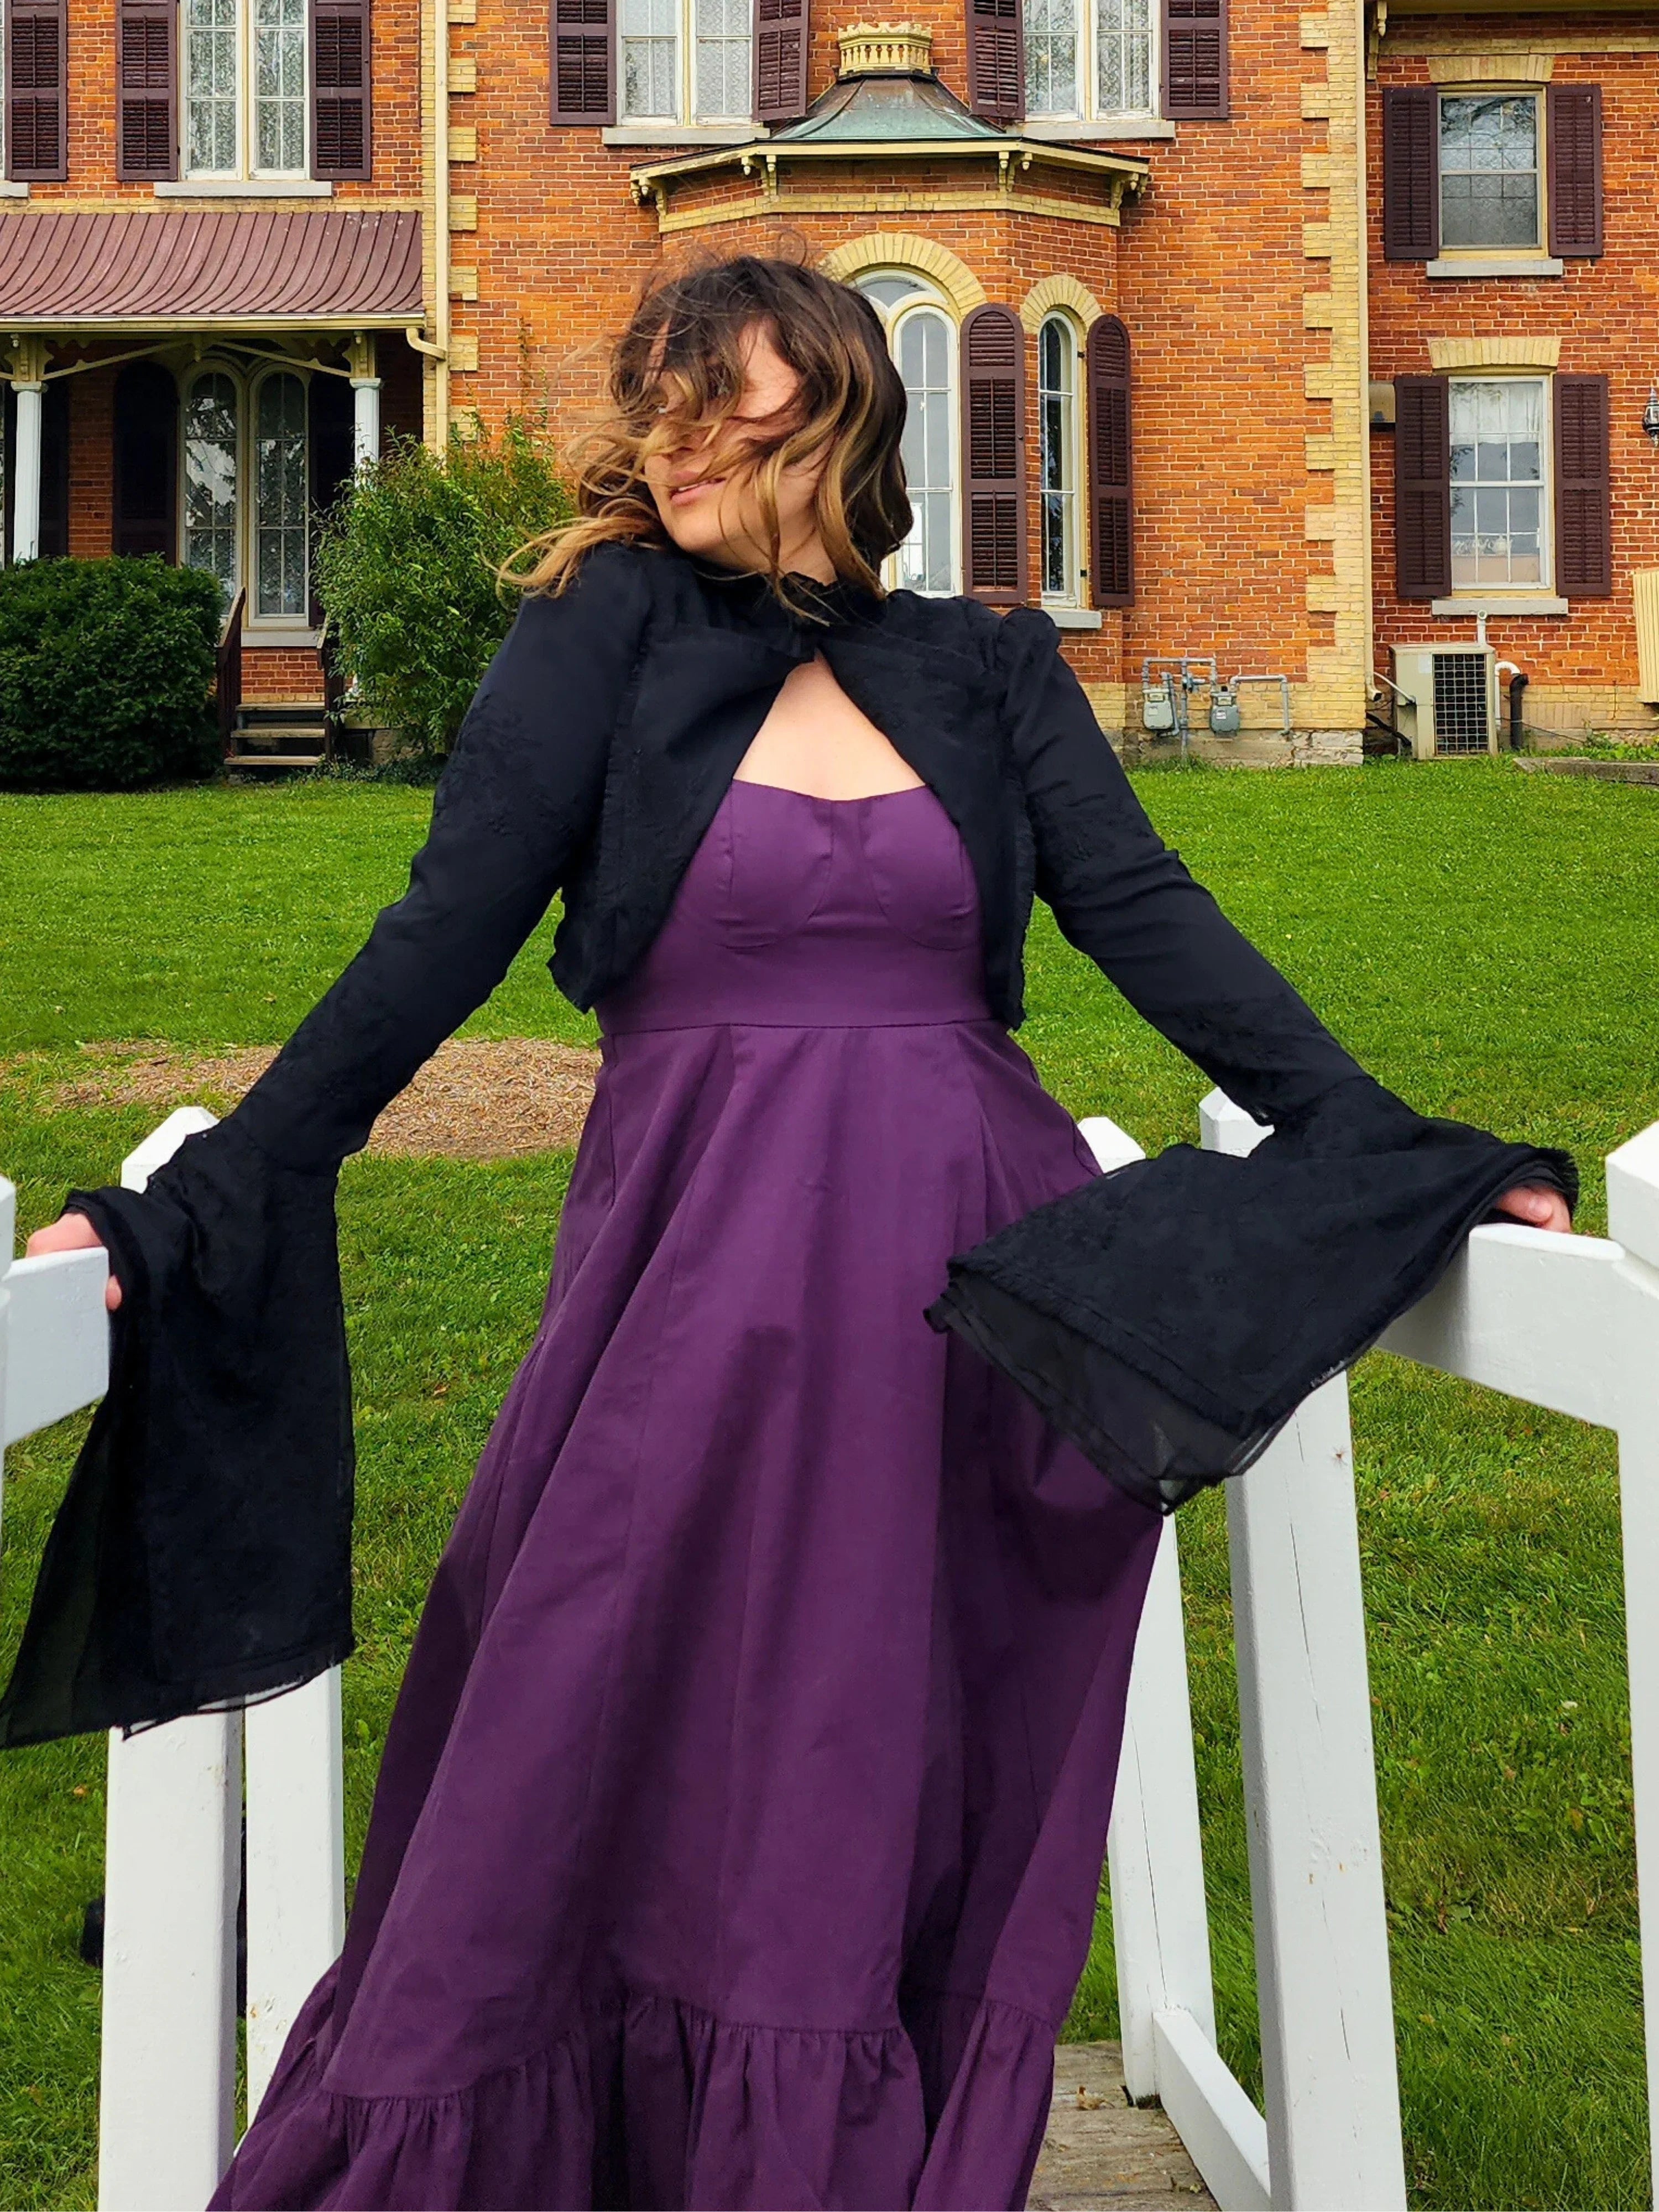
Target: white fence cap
(159,1147)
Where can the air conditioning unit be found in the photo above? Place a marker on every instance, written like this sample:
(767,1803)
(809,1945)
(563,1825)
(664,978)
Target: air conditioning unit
(1447,698)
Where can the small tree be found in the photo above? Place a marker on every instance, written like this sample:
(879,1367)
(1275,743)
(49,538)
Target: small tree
(106,674)
(406,571)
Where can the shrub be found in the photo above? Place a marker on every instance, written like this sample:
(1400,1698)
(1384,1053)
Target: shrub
(106,674)
(406,572)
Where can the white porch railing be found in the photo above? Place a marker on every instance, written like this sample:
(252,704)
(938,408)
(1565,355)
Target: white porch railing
(1571,1323)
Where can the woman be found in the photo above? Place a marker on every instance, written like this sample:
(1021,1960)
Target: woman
(739,1827)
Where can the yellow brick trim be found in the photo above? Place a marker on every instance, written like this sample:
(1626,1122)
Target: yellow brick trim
(1318,311)
(1317,380)
(463,73)
(462,143)
(1508,352)
(1316,173)
(463,212)
(1317,240)
(463,284)
(1623,42)
(1321,524)
(1316,30)
(1315,102)
(463,11)
(1325,595)
(464,354)
(903,249)
(1321,453)
(1059,292)
(466,423)
(1513,66)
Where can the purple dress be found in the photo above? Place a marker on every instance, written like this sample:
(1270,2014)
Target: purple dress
(740,1823)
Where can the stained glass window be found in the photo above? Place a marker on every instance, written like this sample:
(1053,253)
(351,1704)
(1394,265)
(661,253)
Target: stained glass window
(279,86)
(210,445)
(280,516)
(1489,169)
(1057,456)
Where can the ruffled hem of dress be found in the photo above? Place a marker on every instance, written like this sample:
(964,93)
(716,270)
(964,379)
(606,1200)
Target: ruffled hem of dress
(656,2103)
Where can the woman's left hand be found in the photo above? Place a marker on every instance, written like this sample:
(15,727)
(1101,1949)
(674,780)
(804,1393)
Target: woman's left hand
(1536,1205)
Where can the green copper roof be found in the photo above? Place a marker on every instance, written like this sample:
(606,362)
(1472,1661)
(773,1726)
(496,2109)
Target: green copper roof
(865,110)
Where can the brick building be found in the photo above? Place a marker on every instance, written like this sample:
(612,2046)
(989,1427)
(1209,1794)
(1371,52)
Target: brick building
(1312,347)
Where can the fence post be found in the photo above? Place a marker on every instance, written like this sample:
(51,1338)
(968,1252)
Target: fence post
(173,1876)
(1328,2033)
(295,1862)
(1154,1852)
(1633,1221)
(7,1229)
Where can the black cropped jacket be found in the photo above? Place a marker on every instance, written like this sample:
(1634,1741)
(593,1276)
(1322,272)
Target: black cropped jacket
(1167,1317)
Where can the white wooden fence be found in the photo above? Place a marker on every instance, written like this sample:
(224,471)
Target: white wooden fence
(1571,1323)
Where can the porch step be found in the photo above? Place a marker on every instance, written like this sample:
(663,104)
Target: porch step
(284,734)
(273,760)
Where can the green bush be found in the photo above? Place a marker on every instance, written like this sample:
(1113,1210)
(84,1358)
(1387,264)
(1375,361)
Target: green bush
(106,674)
(406,572)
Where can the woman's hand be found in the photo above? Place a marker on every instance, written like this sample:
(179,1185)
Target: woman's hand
(1536,1205)
(73,1232)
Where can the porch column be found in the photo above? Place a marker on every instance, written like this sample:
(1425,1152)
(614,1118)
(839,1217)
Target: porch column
(28,368)
(365,388)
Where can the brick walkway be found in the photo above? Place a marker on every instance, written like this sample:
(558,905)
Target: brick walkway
(1101,2151)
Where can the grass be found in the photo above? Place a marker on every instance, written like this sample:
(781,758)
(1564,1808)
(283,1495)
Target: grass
(1481,938)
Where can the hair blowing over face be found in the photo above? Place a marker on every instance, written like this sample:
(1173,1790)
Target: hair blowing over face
(677,368)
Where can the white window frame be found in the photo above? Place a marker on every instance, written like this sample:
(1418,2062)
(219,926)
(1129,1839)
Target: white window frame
(248,384)
(1540,247)
(246,37)
(925,298)
(1085,105)
(1070,594)
(1494,594)
(686,37)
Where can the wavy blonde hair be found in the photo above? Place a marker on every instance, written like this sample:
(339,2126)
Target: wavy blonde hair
(677,373)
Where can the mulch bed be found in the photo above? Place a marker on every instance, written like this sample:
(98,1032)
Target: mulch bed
(478,1098)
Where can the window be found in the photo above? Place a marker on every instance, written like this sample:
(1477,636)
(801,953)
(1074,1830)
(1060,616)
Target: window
(242,440)
(923,340)
(245,88)
(686,61)
(1499,509)
(1089,58)
(1489,169)
(1057,460)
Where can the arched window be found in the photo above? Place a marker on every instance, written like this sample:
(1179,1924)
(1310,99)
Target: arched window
(1058,468)
(211,474)
(280,525)
(923,340)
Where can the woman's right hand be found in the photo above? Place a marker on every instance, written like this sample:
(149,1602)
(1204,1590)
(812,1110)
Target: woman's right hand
(73,1232)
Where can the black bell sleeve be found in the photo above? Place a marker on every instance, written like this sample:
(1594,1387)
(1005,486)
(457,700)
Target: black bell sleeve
(201,1557)
(1171,1316)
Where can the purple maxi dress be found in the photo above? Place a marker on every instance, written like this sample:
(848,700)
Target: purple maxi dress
(740,1823)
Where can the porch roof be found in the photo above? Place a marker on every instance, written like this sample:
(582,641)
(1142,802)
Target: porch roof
(135,269)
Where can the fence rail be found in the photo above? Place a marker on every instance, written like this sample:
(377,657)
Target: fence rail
(1567,1322)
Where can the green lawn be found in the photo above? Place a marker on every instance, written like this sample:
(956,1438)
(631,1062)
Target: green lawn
(1483,939)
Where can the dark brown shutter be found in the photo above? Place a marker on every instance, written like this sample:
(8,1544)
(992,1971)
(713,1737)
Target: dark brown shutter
(1111,535)
(1422,487)
(996,59)
(339,89)
(1572,145)
(584,61)
(1411,173)
(1195,58)
(36,131)
(993,455)
(1583,506)
(779,60)
(147,88)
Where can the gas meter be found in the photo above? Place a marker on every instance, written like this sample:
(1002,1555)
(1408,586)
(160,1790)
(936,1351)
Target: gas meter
(1157,707)
(1223,710)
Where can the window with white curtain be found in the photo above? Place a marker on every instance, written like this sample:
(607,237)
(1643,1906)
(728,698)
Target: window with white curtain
(1500,461)
(686,61)
(246,93)
(246,461)
(1089,57)
(1059,462)
(924,342)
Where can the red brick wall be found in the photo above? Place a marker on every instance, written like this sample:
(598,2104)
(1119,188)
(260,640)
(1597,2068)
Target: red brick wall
(1601,310)
(287,674)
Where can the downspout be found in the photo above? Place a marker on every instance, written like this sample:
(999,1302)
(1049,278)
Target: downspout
(1518,683)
